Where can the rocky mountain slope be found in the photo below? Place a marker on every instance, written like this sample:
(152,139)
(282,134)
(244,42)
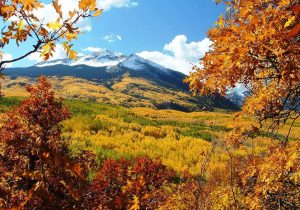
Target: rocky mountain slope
(114,78)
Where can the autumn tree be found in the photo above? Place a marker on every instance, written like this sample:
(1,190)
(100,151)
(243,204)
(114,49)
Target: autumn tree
(35,169)
(257,44)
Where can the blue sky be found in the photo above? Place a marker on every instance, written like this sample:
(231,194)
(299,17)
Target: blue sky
(165,31)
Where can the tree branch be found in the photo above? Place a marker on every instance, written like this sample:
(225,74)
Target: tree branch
(35,49)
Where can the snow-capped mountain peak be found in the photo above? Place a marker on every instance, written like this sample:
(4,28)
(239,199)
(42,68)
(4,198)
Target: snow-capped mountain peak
(136,62)
(133,62)
(106,58)
(100,58)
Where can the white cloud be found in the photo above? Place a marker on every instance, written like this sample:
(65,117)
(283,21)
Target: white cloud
(84,25)
(188,51)
(47,13)
(6,57)
(108,4)
(112,38)
(80,54)
(166,60)
(69,5)
(58,54)
(93,49)
(179,54)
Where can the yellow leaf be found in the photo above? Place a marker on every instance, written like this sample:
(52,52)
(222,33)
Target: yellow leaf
(30,4)
(71,14)
(289,22)
(221,21)
(284,3)
(135,203)
(98,12)
(87,4)
(296,177)
(84,4)
(92,5)
(71,53)
(70,36)
(20,25)
(54,25)
(47,50)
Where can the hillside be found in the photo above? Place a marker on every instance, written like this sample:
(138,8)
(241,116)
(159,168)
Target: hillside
(176,137)
(109,77)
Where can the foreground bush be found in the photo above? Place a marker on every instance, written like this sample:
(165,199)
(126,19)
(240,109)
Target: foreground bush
(124,185)
(34,166)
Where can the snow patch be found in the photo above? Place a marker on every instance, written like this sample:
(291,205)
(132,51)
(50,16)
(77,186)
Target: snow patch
(133,62)
(136,62)
(100,58)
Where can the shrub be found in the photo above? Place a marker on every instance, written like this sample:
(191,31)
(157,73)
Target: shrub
(120,183)
(35,170)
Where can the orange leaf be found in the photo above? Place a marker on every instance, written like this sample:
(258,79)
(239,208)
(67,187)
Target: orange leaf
(57,8)
(295,31)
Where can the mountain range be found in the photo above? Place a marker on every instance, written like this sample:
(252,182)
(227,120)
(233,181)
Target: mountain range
(114,78)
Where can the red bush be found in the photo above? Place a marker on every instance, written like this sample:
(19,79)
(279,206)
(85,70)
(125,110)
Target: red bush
(119,181)
(36,171)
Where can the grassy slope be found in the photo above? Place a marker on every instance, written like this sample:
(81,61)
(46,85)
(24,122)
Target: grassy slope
(127,91)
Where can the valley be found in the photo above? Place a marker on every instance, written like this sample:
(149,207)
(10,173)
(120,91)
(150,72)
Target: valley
(181,140)
(126,106)
(167,105)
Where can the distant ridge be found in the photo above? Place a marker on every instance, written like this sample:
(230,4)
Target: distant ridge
(96,59)
(114,78)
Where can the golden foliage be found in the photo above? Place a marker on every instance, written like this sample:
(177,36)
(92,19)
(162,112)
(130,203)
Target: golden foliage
(252,45)
(257,44)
